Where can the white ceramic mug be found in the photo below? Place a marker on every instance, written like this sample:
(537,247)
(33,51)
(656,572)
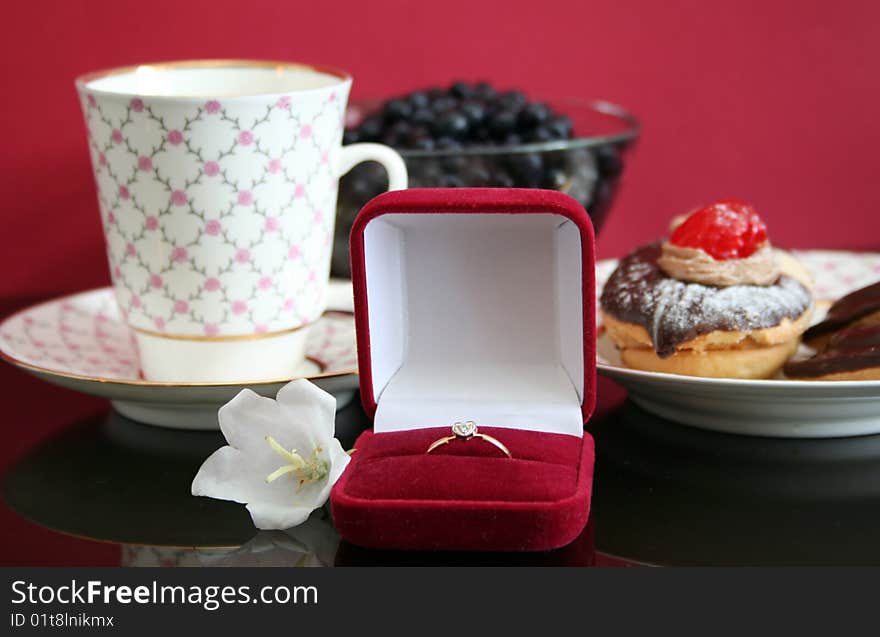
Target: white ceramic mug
(217,184)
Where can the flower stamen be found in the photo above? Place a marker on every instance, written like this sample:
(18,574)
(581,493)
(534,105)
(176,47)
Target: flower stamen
(304,470)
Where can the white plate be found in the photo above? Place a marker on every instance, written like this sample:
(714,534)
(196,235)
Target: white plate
(775,407)
(82,343)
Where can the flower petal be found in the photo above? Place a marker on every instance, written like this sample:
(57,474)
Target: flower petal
(227,475)
(308,405)
(270,515)
(247,419)
(339,459)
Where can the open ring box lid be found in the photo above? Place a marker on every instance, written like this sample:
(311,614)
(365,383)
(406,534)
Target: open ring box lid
(472,304)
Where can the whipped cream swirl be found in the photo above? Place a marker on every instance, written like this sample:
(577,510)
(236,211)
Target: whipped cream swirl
(696,266)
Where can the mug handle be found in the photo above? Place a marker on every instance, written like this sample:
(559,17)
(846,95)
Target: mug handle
(392,162)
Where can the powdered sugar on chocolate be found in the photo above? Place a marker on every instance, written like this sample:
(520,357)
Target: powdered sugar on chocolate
(674,312)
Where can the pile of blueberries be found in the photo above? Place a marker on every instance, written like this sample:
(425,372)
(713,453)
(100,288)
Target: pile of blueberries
(440,133)
(461,116)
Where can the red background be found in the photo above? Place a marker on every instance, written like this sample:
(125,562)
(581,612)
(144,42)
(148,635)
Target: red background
(774,102)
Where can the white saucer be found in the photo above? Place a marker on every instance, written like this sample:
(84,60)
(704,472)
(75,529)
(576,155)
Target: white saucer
(776,407)
(81,342)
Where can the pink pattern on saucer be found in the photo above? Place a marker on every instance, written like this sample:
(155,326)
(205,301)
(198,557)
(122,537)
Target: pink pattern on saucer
(86,335)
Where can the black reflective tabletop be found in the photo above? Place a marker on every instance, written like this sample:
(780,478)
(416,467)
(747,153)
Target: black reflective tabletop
(669,494)
(112,480)
(106,490)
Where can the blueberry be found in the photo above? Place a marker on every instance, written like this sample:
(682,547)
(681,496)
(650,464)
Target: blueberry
(461,90)
(424,171)
(533,115)
(502,123)
(422,117)
(443,104)
(453,164)
(560,127)
(474,112)
(513,100)
(539,136)
(361,188)
(451,181)
(476,175)
(351,136)
(485,92)
(500,179)
(363,182)
(417,132)
(554,179)
(609,161)
(512,139)
(397,134)
(601,199)
(451,124)
(397,109)
(557,160)
(419,99)
(527,169)
(447,143)
(604,190)
(422,143)
(371,128)
(481,135)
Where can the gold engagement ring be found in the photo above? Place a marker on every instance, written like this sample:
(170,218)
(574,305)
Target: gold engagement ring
(467,430)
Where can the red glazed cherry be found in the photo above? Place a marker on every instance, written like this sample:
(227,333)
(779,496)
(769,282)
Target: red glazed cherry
(728,229)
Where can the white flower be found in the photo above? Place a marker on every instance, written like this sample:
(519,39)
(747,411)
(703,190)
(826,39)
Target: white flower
(282,459)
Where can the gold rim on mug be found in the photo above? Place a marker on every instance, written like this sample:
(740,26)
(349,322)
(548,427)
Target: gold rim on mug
(82,82)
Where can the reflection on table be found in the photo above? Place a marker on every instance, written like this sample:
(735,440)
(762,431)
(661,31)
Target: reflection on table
(664,494)
(670,494)
(113,480)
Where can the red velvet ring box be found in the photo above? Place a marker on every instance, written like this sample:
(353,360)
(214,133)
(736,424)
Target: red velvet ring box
(472,304)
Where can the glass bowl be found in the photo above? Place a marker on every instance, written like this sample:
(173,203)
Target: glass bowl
(588,167)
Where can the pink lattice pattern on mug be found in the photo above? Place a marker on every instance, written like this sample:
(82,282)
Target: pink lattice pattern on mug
(204,202)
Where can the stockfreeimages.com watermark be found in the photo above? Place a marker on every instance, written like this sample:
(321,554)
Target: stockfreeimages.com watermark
(209,598)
